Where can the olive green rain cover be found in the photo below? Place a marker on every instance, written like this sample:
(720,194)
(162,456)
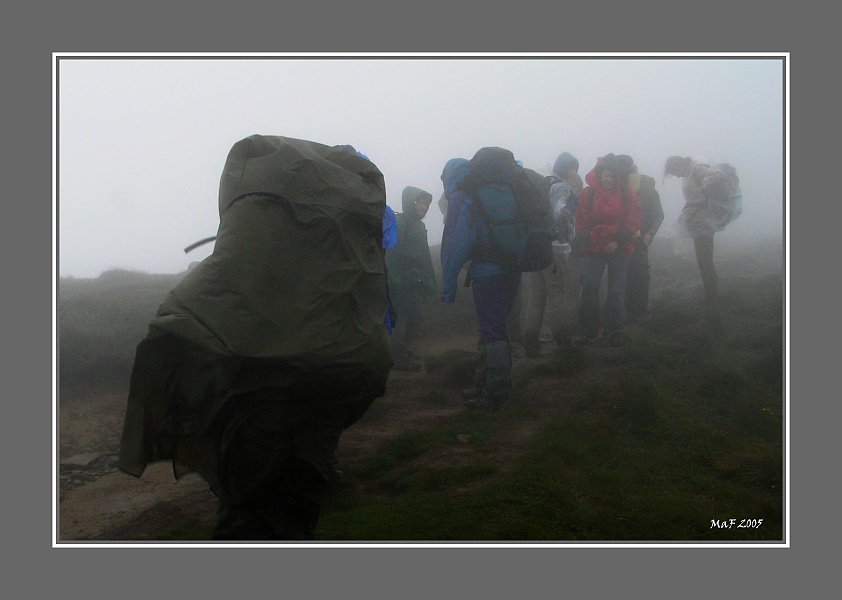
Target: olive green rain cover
(291,301)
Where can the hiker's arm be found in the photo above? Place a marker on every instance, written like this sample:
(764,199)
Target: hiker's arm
(582,216)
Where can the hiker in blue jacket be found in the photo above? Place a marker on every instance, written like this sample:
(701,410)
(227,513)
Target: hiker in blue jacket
(494,291)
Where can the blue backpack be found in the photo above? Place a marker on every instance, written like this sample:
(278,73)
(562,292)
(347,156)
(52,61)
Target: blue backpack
(518,233)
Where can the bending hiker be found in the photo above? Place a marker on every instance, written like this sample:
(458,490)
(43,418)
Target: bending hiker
(411,275)
(481,227)
(554,291)
(266,351)
(703,187)
(606,220)
(638,276)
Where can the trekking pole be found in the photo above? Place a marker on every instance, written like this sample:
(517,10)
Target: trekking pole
(195,245)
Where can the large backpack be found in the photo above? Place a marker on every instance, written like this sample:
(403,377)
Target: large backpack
(292,300)
(724,196)
(513,210)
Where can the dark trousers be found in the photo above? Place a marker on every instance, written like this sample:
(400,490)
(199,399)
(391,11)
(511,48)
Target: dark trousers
(592,268)
(494,298)
(273,468)
(637,282)
(704,258)
(410,315)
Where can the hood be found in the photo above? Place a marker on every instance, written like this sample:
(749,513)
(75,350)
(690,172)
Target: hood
(455,170)
(410,196)
(610,161)
(564,161)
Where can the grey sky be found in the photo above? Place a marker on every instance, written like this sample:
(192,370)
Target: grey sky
(141,141)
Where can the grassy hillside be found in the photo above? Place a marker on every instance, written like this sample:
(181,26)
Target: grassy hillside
(664,439)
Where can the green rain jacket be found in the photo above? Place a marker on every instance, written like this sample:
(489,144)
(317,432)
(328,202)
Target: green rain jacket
(409,263)
(292,301)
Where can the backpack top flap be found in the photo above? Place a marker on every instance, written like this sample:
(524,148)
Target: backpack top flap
(301,222)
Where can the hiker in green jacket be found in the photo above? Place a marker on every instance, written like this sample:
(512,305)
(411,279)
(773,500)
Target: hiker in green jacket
(411,275)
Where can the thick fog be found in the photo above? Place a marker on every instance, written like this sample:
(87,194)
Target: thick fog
(141,140)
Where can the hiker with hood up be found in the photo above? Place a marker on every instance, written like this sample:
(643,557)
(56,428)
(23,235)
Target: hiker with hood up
(494,290)
(266,351)
(606,221)
(554,292)
(411,275)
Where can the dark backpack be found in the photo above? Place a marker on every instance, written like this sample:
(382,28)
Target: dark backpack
(515,214)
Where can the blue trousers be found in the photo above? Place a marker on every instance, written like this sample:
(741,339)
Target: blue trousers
(614,314)
(494,297)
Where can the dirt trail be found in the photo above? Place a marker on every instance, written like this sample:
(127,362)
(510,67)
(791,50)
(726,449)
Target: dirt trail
(100,503)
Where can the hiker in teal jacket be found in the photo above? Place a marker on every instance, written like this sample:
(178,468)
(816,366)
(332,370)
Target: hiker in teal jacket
(411,275)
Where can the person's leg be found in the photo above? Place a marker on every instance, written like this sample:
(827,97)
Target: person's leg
(494,297)
(572,292)
(535,311)
(415,318)
(615,314)
(592,267)
(559,313)
(637,282)
(404,301)
(704,258)
(513,323)
(275,470)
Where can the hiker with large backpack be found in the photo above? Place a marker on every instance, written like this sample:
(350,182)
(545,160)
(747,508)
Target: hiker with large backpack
(411,276)
(266,351)
(712,199)
(606,220)
(553,292)
(495,220)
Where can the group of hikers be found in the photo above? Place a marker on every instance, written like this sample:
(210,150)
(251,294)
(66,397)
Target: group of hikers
(283,337)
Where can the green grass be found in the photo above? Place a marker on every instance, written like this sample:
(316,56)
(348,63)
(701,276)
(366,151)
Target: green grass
(687,430)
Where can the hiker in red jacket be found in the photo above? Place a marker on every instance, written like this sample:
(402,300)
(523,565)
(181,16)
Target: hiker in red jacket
(606,220)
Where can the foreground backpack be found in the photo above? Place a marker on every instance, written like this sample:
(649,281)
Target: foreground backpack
(512,209)
(292,301)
